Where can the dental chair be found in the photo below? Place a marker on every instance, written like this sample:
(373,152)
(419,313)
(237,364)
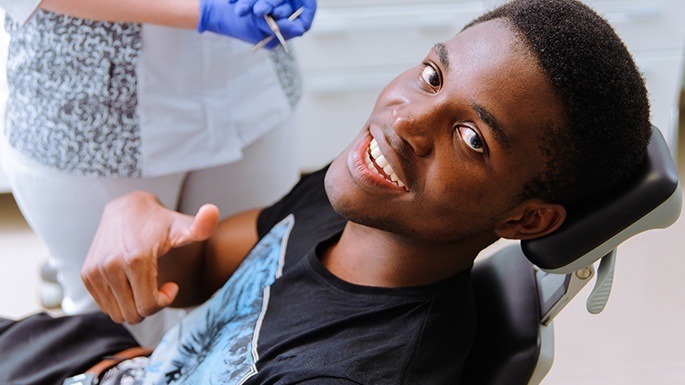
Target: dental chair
(521,288)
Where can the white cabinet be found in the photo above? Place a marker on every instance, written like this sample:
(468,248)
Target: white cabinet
(355,47)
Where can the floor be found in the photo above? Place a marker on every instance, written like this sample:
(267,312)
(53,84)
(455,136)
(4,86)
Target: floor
(637,340)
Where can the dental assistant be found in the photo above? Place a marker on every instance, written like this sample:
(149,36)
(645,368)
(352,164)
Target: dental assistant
(110,97)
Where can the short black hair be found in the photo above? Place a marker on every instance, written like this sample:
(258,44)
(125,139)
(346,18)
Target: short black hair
(607,128)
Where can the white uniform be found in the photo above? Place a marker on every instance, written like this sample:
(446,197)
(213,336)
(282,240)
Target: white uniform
(98,109)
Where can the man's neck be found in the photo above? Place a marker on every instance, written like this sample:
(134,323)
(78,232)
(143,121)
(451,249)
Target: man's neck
(371,257)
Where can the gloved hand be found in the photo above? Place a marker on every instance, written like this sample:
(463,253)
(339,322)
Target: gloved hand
(280,10)
(220,16)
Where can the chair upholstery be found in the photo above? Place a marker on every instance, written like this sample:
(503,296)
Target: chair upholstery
(591,225)
(506,347)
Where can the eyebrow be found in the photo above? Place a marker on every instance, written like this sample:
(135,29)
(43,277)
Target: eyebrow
(441,50)
(486,116)
(497,131)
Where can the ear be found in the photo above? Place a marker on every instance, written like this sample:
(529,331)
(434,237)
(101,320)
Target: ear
(531,219)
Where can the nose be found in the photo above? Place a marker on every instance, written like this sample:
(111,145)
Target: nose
(412,126)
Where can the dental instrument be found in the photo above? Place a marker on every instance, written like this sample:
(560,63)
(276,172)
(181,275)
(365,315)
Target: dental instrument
(276,31)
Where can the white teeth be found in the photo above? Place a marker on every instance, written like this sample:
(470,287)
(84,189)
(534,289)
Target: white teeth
(374,160)
(376,152)
(382,162)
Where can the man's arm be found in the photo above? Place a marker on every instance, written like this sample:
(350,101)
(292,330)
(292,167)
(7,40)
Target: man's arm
(220,255)
(126,273)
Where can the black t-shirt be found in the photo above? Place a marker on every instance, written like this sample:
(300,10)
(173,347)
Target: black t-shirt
(283,318)
(321,327)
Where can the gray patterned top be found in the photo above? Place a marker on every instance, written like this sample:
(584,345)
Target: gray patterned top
(72,87)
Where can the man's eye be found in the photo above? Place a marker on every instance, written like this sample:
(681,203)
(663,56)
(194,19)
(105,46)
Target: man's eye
(472,139)
(431,76)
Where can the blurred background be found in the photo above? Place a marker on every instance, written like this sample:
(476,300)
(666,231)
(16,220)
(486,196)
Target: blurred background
(354,48)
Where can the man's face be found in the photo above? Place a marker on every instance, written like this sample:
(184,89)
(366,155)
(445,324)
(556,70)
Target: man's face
(450,143)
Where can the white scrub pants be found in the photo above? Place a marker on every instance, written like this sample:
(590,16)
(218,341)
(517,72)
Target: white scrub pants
(64,210)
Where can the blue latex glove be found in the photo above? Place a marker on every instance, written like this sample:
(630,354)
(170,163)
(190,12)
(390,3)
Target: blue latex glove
(220,16)
(280,10)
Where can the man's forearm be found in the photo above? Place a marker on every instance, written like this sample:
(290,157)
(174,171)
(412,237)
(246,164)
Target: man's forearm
(172,13)
(185,267)
(201,268)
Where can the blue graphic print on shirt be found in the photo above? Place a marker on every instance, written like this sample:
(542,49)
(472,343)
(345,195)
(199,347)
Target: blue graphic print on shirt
(217,342)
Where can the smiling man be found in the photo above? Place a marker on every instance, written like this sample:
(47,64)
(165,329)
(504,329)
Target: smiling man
(440,169)
(360,275)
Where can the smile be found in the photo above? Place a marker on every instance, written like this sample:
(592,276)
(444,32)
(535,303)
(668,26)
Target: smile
(376,162)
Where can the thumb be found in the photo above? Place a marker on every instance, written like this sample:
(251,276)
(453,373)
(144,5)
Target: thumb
(204,224)
(186,229)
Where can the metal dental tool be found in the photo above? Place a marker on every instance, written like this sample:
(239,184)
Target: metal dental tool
(276,31)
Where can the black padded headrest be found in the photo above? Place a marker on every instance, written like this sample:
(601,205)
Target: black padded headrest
(595,226)
(506,347)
